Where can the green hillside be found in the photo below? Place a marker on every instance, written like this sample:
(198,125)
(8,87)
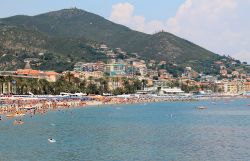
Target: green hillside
(66,33)
(78,23)
(59,53)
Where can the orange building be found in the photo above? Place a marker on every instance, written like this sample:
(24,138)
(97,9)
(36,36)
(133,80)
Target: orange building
(247,86)
(27,72)
(50,76)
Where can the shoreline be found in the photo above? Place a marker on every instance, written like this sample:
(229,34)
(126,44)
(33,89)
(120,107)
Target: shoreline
(14,107)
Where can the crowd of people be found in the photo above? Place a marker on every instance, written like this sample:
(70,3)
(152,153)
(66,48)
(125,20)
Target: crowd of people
(17,107)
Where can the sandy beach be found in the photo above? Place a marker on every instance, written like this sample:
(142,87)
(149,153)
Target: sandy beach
(14,106)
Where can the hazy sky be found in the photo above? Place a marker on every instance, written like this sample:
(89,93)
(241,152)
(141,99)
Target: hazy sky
(221,26)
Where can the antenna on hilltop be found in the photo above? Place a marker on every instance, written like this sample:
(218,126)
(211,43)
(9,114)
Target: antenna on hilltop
(73,3)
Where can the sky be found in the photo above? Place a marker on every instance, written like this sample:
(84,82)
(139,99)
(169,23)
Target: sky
(221,26)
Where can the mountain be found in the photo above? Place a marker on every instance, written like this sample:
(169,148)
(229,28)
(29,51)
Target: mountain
(54,53)
(69,31)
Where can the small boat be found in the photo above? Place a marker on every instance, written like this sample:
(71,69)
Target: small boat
(18,122)
(201,107)
(52,140)
(10,115)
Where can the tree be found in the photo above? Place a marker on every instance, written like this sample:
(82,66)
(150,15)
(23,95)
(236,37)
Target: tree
(69,76)
(2,81)
(144,84)
(137,85)
(118,91)
(103,88)
(82,86)
(62,86)
(21,86)
(127,86)
(32,85)
(92,88)
(45,87)
(131,86)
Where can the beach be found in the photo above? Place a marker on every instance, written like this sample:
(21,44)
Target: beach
(12,106)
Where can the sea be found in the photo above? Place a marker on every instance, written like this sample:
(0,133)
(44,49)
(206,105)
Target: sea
(167,131)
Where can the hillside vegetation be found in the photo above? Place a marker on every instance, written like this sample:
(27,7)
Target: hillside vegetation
(70,35)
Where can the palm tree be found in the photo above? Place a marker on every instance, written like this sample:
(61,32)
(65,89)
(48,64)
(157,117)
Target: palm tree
(82,86)
(2,81)
(137,85)
(127,86)
(91,88)
(61,86)
(32,85)
(9,80)
(103,85)
(21,85)
(69,76)
(44,87)
(144,83)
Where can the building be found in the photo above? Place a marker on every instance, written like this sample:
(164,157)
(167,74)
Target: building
(235,73)
(115,68)
(78,67)
(190,73)
(161,83)
(152,73)
(208,78)
(110,53)
(115,83)
(234,87)
(89,67)
(247,86)
(136,68)
(140,67)
(104,48)
(171,91)
(163,74)
(223,72)
(86,75)
(50,76)
(230,88)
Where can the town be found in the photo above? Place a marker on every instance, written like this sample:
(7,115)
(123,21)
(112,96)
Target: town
(123,74)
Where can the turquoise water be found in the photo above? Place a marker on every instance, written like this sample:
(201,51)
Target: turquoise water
(153,132)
